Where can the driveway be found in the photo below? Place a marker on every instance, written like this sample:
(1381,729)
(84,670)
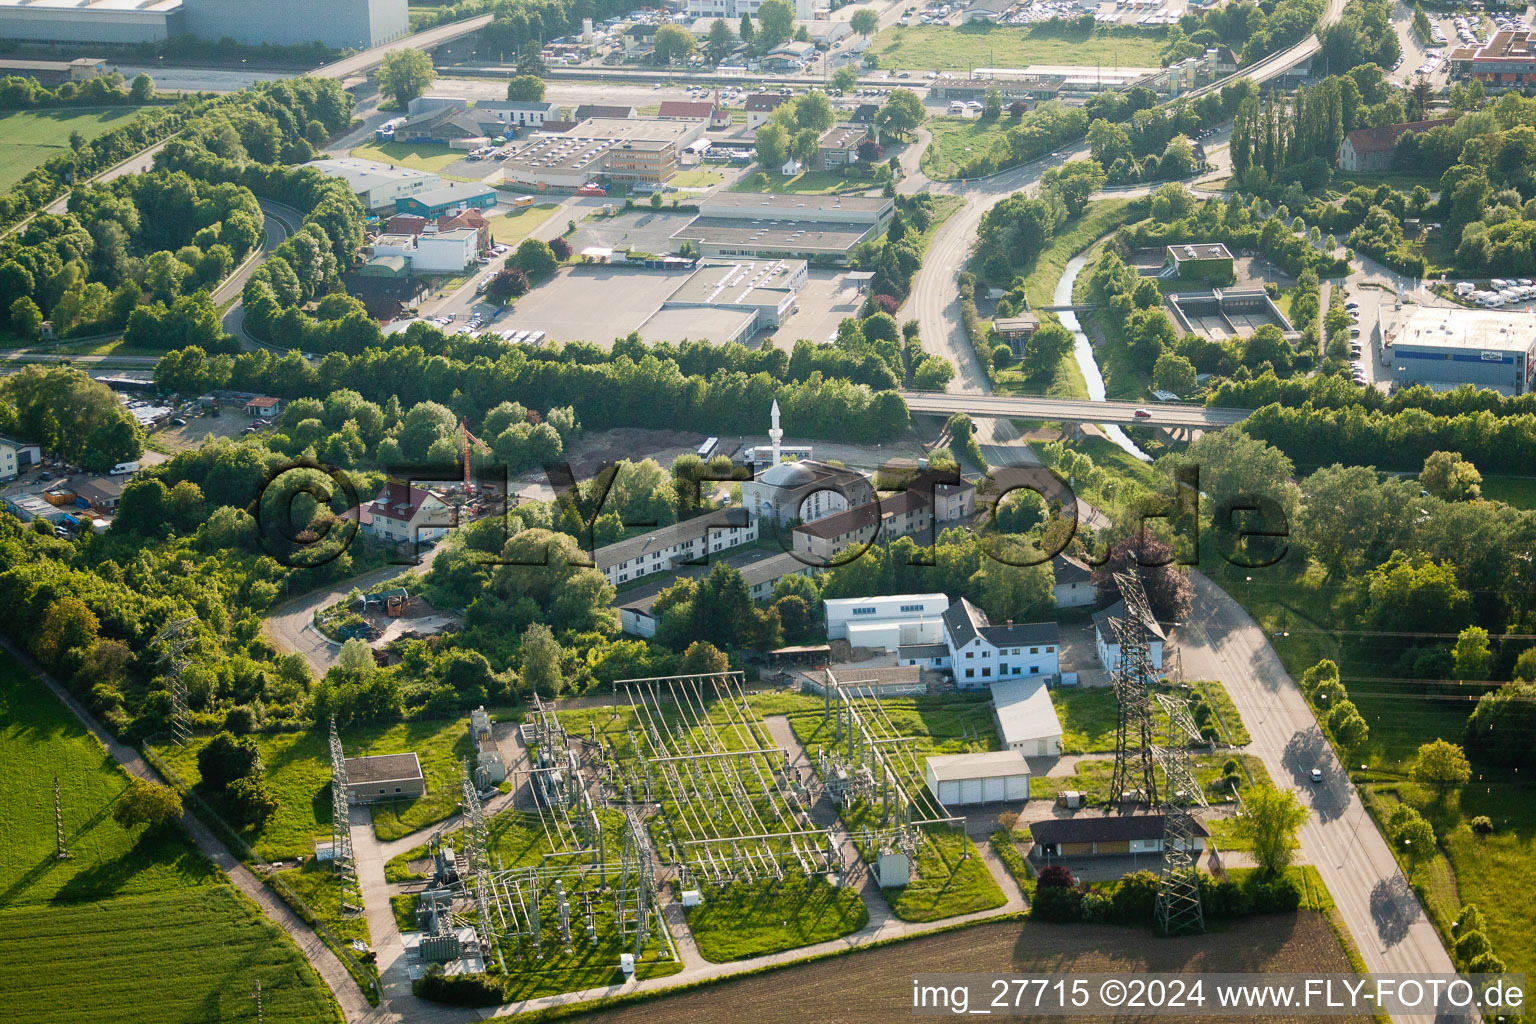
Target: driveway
(1221,641)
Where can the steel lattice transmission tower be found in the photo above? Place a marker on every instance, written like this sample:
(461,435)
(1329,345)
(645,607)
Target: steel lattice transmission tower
(343,862)
(477,858)
(173,642)
(1178,887)
(58,822)
(1133,680)
(637,886)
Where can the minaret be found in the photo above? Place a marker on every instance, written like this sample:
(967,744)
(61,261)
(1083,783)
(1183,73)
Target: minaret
(775,432)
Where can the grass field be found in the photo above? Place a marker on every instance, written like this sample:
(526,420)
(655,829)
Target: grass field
(1093,777)
(186,957)
(953,139)
(299,773)
(321,889)
(1089,714)
(699,177)
(1519,491)
(942,48)
(86,939)
(806,183)
(744,920)
(29,138)
(417,156)
(517,224)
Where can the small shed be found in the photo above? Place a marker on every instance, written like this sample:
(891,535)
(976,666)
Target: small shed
(384,777)
(1103,835)
(998,776)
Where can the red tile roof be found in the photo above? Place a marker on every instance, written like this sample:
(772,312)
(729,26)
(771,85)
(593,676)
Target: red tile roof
(683,108)
(400,501)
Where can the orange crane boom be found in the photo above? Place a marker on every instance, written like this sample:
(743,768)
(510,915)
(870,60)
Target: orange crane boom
(469,488)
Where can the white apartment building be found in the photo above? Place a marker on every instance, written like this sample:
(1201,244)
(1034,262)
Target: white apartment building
(435,252)
(732,10)
(692,540)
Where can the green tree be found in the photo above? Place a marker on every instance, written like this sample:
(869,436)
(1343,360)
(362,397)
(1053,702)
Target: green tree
(26,318)
(526,89)
(746,30)
(540,671)
(845,78)
(1045,349)
(1348,727)
(1471,654)
(1174,373)
(1525,666)
(146,803)
(228,757)
(1412,836)
(902,113)
(143,89)
(1448,476)
(772,145)
(673,44)
(813,112)
(776,23)
(535,258)
(1312,677)
(865,22)
(1415,594)
(1442,765)
(68,630)
(405,74)
(703,658)
(250,801)
(1272,820)
(720,41)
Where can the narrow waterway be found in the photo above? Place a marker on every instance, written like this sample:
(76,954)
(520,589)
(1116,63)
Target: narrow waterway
(1083,351)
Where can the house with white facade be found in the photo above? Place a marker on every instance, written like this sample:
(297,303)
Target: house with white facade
(404,514)
(1074,582)
(692,540)
(16,456)
(1108,645)
(981,653)
(889,622)
(433,252)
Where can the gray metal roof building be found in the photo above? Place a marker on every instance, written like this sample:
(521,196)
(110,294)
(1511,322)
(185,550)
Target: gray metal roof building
(342,24)
(92,21)
(1447,347)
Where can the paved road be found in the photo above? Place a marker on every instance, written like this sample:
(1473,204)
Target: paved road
(325,962)
(1221,641)
(1072,410)
(363,61)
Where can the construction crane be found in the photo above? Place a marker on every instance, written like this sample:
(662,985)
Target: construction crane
(469,487)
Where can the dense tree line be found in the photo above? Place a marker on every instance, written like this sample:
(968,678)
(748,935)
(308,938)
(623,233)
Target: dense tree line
(1331,393)
(21,92)
(617,391)
(67,412)
(1253,30)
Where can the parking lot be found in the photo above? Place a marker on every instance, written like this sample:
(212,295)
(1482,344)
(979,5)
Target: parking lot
(827,298)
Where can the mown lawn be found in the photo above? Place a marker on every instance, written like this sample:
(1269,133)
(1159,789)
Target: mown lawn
(1093,778)
(806,183)
(698,177)
(950,879)
(745,920)
(186,957)
(941,47)
(299,772)
(1089,715)
(1519,491)
(417,156)
(953,138)
(135,925)
(30,138)
(517,224)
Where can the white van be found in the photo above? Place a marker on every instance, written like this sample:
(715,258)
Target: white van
(123,469)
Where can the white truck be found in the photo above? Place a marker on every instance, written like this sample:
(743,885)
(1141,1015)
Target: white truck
(123,469)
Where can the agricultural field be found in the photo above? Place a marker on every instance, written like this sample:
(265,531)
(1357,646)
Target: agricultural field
(29,138)
(873,986)
(298,766)
(87,938)
(945,48)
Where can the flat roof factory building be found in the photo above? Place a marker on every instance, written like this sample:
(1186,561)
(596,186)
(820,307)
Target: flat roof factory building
(1445,347)
(620,149)
(92,21)
(805,227)
(378,185)
(384,777)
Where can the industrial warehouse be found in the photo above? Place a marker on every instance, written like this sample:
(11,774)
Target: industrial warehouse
(1446,347)
(341,24)
(807,227)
